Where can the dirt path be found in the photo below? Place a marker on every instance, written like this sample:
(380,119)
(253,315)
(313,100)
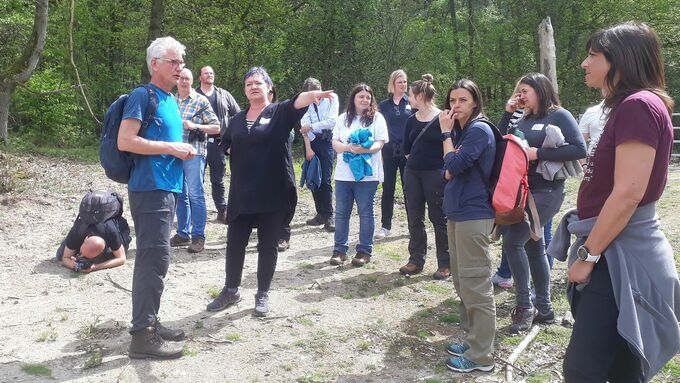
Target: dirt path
(328,323)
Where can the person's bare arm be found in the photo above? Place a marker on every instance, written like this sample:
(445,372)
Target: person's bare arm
(130,141)
(118,260)
(205,128)
(633,168)
(309,153)
(375,148)
(68,259)
(306,99)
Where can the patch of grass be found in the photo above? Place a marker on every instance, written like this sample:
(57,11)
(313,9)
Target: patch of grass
(513,340)
(305,266)
(213,292)
(431,380)
(436,288)
(36,369)
(47,336)
(393,251)
(306,322)
(555,336)
(233,336)
(672,367)
(314,377)
(450,302)
(86,153)
(94,360)
(198,325)
(538,377)
(427,313)
(371,278)
(423,333)
(287,367)
(371,367)
(186,351)
(348,295)
(364,345)
(449,318)
(89,329)
(317,342)
(7,176)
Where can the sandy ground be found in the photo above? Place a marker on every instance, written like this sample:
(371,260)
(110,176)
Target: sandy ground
(329,324)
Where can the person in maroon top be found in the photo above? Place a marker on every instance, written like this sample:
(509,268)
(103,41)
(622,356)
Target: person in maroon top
(626,172)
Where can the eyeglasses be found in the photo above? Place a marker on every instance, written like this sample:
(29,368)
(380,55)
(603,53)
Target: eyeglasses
(174,63)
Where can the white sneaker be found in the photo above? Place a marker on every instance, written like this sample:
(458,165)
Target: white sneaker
(503,283)
(382,233)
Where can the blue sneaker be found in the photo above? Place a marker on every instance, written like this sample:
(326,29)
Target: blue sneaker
(461,364)
(457,349)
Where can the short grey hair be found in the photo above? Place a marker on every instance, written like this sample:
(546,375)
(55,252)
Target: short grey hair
(311,84)
(158,48)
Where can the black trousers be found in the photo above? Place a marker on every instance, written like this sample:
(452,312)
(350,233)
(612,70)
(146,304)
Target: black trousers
(421,187)
(268,228)
(217,163)
(152,213)
(289,214)
(596,351)
(390,166)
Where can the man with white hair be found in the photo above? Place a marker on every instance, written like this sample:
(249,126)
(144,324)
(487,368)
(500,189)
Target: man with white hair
(155,180)
(198,120)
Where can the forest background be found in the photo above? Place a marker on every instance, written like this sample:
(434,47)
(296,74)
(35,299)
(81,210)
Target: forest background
(339,42)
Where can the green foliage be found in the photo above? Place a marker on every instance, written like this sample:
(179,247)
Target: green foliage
(36,369)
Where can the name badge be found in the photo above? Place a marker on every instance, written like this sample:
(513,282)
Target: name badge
(537,127)
(264,121)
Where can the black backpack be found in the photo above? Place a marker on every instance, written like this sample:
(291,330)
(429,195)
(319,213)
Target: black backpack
(118,164)
(99,206)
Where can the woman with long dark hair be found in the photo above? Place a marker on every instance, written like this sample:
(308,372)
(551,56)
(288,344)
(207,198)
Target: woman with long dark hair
(358,136)
(543,117)
(468,160)
(624,289)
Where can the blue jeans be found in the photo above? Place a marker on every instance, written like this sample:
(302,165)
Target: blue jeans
(527,257)
(346,192)
(323,198)
(191,211)
(504,268)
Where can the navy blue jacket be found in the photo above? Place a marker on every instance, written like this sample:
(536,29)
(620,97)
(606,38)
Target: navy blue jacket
(466,196)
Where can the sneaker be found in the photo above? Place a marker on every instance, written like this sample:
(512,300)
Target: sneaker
(316,221)
(410,269)
(283,245)
(222,215)
(457,349)
(522,318)
(329,225)
(197,245)
(503,283)
(177,241)
(361,259)
(545,318)
(261,304)
(441,273)
(148,344)
(169,334)
(224,300)
(382,233)
(337,258)
(462,364)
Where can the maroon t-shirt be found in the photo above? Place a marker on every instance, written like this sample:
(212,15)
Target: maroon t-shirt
(641,117)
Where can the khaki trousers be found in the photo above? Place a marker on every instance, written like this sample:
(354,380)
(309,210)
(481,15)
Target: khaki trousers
(471,272)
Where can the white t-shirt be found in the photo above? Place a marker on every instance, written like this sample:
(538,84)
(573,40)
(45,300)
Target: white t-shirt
(342,132)
(592,122)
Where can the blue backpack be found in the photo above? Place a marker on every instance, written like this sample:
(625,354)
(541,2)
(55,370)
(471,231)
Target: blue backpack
(118,164)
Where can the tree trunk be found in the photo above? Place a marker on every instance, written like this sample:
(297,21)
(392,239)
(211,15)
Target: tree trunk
(21,70)
(456,43)
(155,31)
(546,46)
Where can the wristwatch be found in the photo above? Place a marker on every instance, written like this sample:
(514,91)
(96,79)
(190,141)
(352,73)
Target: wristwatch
(584,255)
(445,136)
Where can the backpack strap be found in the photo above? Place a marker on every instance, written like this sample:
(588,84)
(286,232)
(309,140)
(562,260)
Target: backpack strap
(497,137)
(535,227)
(151,108)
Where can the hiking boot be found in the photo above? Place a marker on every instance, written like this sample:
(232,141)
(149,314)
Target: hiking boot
(457,349)
(382,233)
(462,364)
(224,300)
(148,344)
(545,318)
(338,258)
(316,221)
(410,269)
(329,225)
(197,245)
(177,241)
(222,215)
(503,283)
(522,318)
(441,273)
(361,259)
(261,304)
(168,333)
(283,245)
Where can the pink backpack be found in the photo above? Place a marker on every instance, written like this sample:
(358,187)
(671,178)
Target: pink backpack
(509,183)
